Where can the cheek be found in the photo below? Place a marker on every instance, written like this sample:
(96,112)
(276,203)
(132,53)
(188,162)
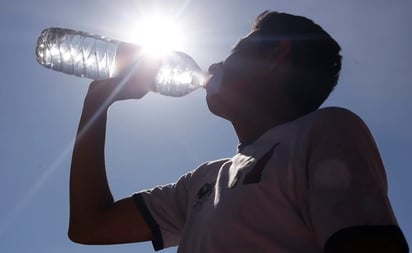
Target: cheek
(242,70)
(235,66)
(215,84)
(233,77)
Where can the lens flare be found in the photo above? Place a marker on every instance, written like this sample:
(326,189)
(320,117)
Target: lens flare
(158,34)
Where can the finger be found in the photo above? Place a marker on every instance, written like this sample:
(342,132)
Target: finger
(142,75)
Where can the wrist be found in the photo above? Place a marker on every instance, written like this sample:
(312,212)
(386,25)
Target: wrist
(101,94)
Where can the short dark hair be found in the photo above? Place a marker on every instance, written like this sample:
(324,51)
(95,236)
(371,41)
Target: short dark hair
(315,56)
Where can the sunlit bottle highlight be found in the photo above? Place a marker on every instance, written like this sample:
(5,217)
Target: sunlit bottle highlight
(97,57)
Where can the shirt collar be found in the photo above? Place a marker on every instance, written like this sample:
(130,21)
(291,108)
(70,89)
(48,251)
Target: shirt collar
(265,141)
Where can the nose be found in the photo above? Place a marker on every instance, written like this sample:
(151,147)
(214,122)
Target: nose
(214,67)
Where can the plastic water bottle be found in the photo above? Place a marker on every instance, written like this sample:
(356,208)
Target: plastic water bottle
(97,57)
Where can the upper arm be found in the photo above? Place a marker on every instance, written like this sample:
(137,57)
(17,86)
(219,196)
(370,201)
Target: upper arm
(120,223)
(346,178)
(367,239)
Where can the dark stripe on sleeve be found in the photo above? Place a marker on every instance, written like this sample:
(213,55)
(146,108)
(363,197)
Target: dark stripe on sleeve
(154,227)
(387,238)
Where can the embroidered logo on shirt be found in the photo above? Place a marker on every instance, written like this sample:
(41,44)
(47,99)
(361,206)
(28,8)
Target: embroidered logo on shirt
(255,175)
(203,194)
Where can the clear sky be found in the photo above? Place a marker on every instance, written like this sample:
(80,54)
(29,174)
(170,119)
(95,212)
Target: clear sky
(157,139)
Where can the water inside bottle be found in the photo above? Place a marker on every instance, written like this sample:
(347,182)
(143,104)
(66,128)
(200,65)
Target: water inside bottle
(179,75)
(174,82)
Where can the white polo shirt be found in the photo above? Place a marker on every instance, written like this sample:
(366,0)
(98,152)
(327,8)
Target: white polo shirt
(287,192)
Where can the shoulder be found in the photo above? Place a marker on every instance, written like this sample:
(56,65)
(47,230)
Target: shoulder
(338,139)
(204,175)
(207,171)
(332,115)
(337,132)
(332,120)
(210,167)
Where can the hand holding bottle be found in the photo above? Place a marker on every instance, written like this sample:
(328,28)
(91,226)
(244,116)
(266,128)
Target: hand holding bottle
(133,82)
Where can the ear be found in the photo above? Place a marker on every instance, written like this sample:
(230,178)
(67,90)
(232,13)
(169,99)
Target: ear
(280,54)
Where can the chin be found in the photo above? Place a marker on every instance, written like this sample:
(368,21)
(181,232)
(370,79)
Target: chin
(218,107)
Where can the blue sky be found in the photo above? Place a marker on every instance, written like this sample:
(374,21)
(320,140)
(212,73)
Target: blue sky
(155,140)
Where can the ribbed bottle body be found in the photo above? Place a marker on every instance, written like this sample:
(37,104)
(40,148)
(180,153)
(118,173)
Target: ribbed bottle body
(77,53)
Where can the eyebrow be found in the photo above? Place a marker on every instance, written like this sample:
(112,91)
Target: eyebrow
(243,42)
(246,41)
(238,45)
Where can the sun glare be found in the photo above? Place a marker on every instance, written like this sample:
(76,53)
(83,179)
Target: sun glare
(158,34)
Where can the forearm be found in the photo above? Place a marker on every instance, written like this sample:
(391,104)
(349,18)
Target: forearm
(89,190)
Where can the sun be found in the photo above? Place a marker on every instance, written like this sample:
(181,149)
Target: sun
(158,34)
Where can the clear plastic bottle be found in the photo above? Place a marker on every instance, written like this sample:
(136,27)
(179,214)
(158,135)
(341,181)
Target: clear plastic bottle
(97,57)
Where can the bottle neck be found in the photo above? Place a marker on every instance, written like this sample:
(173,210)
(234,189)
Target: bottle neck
(199,78)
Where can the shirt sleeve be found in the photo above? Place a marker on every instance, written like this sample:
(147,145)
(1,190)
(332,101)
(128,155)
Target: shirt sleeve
(345,176)
(164,208)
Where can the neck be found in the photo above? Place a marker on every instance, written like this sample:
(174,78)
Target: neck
(249,129)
